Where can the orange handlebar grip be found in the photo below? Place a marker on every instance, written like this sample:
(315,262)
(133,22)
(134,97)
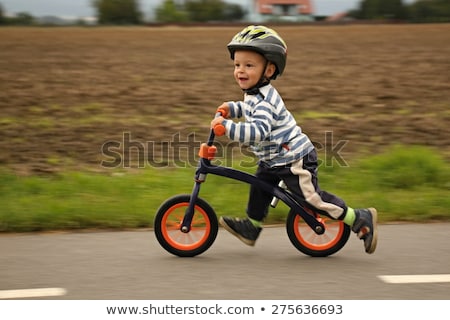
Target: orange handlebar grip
(207,152)
(219,129)
(223,112)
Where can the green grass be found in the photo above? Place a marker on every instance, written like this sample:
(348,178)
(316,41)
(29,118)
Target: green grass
(404,184)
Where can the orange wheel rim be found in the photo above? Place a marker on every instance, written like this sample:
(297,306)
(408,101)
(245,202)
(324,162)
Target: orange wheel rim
(171,227)
(333,233)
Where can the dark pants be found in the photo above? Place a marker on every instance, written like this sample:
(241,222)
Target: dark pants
(301,179)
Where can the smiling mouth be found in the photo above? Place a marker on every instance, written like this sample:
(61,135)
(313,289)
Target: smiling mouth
(243,80)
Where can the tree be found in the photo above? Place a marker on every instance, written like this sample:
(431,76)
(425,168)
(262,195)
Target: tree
(381,9)
(2,15)
(117,11)
(205,10)
(233,12)
(213,10)
(392,9)
(198,11)
(23,19)
(169,12)
(430,11)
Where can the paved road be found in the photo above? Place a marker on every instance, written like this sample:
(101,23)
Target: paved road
(132,265)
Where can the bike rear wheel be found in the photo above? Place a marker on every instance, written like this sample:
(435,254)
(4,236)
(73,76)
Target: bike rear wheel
(198,239)
(308,242)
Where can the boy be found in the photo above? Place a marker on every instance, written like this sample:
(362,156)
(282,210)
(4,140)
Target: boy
(284,151)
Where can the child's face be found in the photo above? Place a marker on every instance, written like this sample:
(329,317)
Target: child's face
(248,68)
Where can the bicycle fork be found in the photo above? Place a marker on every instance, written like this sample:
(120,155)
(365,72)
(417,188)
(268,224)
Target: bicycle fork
(189,214)
(200,177)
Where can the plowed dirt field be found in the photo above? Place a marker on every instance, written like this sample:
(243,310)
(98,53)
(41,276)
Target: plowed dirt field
(69,94)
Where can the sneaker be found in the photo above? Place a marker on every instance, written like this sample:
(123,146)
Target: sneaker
(241,228)
(365,227)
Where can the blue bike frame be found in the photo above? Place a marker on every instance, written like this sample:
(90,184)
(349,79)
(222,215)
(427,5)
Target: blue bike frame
(205,167)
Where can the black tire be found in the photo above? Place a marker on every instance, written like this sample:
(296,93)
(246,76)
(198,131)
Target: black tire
(203,231)
(307,241)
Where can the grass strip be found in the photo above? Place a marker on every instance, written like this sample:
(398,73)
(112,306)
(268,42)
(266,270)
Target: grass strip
(404,184)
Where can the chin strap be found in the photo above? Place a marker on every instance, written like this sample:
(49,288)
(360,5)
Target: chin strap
(255,90)
(263,81)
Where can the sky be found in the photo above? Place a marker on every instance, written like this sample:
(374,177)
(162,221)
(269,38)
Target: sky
(83,8)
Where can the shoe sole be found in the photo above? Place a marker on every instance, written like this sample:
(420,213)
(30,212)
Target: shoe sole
(234,233)
(373,245)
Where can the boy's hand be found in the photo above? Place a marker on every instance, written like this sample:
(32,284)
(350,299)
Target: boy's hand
(216,121)
(224,109)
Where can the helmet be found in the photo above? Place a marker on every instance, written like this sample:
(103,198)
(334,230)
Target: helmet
(264,41)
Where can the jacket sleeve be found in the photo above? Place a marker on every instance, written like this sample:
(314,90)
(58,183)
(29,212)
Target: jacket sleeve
(235,109)
(256,128)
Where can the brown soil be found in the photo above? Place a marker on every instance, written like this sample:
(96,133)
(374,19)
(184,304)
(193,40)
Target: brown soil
(65,92)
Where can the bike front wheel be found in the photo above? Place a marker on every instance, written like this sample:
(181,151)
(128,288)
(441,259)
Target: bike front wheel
(310,243)
(198,239)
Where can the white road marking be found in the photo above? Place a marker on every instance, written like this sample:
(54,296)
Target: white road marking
(32,293)
(418,278)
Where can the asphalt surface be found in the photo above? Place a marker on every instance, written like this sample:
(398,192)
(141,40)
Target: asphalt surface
(132,265)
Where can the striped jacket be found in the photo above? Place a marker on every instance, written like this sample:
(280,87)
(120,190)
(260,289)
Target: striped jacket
(269,128)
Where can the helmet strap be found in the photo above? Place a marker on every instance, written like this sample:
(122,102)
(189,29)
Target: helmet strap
(263,81)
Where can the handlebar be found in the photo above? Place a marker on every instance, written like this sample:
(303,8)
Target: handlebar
(218,130)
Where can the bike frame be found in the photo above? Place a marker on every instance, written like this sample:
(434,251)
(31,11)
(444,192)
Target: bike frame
(205,167)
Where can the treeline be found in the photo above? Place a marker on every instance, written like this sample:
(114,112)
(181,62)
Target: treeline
(128,12)
(116,12)
(21,18)
(198,11)
(419,11)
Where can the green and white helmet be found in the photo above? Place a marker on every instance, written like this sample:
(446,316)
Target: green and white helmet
(264,41)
